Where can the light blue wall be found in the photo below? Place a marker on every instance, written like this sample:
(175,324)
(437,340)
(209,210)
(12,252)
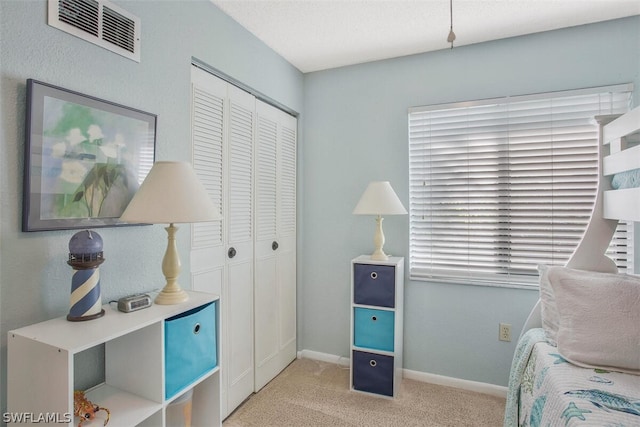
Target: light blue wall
(34,277)
(353,130)
(356,131)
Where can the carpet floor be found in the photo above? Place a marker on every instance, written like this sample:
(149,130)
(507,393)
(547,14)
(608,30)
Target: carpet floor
(313,393)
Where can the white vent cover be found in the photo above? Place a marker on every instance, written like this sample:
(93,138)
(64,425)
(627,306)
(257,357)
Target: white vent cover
(99,22)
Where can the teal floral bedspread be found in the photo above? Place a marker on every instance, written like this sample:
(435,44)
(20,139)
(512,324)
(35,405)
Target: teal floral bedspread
(546,390)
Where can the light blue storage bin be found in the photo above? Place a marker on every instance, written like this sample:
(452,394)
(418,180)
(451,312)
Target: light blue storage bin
(189,347)
(373,329)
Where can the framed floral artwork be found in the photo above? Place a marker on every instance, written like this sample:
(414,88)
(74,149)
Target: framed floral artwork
(84,158)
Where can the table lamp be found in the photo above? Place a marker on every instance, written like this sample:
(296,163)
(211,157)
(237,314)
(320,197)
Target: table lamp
(379,199)
(171,193)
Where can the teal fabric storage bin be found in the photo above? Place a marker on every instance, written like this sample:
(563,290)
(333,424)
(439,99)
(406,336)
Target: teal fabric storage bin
(189,347)
(373,329)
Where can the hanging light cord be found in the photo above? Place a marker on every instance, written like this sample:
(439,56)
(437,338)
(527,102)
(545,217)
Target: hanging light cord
(452,35)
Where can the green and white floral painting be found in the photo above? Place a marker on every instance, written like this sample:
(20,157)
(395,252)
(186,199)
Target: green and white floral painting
(84,158)
(91,160)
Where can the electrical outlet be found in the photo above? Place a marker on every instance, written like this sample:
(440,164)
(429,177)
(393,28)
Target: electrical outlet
(504,333)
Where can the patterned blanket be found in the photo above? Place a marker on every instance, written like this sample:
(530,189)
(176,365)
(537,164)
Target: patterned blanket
(546,390)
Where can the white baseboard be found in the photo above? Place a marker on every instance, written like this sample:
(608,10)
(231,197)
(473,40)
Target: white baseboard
(485,388)
(323,357)
(490,389)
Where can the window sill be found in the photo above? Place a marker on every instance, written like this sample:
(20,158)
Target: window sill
(532,286)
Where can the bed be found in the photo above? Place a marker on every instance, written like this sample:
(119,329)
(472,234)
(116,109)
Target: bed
(577,361)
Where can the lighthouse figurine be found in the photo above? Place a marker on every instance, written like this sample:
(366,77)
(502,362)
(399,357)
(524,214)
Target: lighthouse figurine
(85,255)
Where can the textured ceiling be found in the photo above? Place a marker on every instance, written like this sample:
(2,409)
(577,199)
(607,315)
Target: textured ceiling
(320,34)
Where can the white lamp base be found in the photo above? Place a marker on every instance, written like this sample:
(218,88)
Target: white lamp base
(169,297)
(378,240)
(376,256)
(171,293)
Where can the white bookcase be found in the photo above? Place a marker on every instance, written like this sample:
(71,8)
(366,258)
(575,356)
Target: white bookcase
(377,297)
(41,362)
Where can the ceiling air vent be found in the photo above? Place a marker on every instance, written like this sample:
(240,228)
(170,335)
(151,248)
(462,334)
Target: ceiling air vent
(99,22)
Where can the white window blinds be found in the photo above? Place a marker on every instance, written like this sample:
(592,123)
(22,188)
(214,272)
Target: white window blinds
(500,186)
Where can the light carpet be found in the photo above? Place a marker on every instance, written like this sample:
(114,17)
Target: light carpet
(313,393)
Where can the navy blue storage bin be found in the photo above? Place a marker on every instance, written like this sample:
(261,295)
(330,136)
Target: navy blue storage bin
(189,347)
(372,373)
(374,285)
(373,329)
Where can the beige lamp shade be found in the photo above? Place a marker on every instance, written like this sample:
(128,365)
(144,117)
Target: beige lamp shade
(171,193)
(379,199)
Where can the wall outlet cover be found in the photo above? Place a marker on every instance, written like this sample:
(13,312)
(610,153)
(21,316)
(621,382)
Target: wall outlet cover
(504,333)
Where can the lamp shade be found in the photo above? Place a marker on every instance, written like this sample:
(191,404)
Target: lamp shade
(379,199)
(171,193)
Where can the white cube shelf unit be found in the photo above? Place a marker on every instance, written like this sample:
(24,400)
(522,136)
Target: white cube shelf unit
(41,367)
(377,296)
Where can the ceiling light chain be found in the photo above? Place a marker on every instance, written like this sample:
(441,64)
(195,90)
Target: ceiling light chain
(452,35)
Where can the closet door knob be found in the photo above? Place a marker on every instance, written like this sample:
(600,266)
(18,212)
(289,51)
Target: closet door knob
(232,252)
(274,245)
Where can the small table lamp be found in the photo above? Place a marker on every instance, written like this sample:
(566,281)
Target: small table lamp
(170,194)
(379,199)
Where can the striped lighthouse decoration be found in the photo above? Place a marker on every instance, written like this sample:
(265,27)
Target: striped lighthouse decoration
(85,255)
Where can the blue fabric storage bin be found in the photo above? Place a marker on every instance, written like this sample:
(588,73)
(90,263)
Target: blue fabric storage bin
(374,285)
(189,347)
(373,328)
(372,373)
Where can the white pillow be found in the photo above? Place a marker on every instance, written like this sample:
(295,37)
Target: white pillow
(599,318)
(548,309)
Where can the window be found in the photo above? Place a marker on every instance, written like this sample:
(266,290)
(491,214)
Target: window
(499,186)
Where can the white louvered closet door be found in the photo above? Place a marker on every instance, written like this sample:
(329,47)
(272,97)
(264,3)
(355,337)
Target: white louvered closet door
(222,253)
(208,103)
(239,194)
(275,262)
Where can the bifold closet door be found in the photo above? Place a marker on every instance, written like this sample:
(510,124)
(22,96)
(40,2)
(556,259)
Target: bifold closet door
(275,244)
(222,253)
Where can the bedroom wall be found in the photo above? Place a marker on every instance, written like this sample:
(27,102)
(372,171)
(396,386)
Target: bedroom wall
(356,131)
(357,134)
(34,277)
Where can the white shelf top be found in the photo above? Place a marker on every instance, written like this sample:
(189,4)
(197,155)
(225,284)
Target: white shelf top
(366,259)
(75,337)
